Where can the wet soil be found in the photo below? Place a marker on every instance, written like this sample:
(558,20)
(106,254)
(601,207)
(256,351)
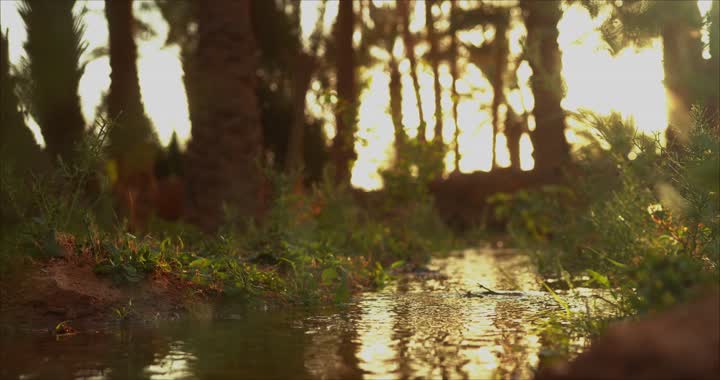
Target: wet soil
(48,293)
(682,343)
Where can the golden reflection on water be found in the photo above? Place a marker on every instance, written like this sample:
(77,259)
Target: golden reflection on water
(428,329)
(173,365)
(414,328)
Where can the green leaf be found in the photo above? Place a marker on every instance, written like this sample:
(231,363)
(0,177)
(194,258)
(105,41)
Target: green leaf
(328,275)
(200,263)
(600,279)
(557,299)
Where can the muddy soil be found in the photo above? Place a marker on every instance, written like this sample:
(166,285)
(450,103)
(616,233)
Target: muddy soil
(682,343)
(63,289)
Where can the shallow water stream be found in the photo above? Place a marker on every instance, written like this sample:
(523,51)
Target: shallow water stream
(418,327)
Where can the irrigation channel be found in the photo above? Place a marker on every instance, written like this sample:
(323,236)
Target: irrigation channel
(421,326)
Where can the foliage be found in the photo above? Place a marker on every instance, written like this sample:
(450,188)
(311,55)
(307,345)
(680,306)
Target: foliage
(635,218)
(50,75)
(58,201)
(17,143)
(313,245)
(325,240)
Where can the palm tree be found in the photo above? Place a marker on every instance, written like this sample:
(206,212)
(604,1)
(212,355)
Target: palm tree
(343,146)
(132,140)
(306,63)
(384,34)
(453,57)
(403,8)
(222,167)
(54,46)
(551,150)
(435,63)
(689,80)
(17,144)
(491,57)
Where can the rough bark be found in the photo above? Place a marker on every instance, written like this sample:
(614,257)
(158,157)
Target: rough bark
(551,150)
(435,63)
(343,147)
(53,50)
(409,41)
(132,139)
(222,167)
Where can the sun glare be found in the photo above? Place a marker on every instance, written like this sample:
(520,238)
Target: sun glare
(630,83)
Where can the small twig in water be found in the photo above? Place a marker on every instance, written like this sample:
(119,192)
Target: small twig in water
(486,288)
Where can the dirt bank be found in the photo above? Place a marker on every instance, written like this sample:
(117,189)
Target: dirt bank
(682,343)
(67,289)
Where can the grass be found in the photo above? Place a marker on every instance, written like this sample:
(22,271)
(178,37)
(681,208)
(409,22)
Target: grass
(636,219)
(318,245)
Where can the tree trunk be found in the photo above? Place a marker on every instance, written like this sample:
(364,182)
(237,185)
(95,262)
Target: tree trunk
(222,167)
(514,128)
(714,62)
(18,148)
(551,150)
(54,45)
(454,74)
(501,52)
(304,68)
(343,147)
(434,59)
(404,11)
(396,104)
(682,63)
(132,139)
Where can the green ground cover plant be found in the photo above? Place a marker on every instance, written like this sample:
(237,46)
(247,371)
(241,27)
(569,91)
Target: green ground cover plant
(636,218)
(313,245)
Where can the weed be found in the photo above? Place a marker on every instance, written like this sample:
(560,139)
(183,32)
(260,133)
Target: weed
(125,312)
(641,223)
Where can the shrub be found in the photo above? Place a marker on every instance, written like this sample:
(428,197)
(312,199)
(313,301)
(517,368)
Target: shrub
(640,220)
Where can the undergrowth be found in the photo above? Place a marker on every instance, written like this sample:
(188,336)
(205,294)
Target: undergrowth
(316,244)
(636,219)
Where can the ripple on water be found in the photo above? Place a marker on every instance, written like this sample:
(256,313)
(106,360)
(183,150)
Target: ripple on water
(413,328)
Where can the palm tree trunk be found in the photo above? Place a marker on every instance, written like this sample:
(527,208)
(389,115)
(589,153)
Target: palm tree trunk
(454,74)
(304,68)
(343,147)
(514,128)
(682,63)
(434,59)
(17,144)
(498,83)
(714,62)
(396,103)
(222,169)
(132,140)
(551,150)
(404,11)
(54,46)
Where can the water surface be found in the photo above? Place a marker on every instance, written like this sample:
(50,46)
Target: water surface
(418,327)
